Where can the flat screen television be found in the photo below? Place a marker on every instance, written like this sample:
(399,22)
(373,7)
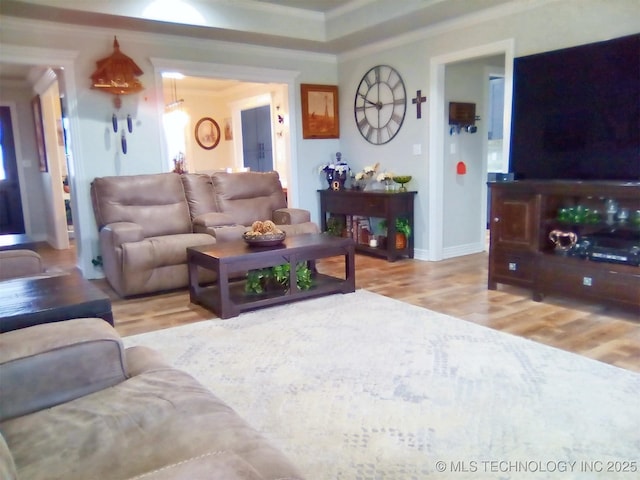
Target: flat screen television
(576,113)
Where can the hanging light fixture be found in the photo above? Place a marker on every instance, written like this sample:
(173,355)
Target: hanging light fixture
(175,120)
(175,101)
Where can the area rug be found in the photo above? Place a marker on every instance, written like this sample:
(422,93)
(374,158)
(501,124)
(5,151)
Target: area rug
(360,386)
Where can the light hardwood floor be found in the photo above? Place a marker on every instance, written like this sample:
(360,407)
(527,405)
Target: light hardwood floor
(457,287)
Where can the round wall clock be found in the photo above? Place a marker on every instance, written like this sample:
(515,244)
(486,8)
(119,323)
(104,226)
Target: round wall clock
(380,104)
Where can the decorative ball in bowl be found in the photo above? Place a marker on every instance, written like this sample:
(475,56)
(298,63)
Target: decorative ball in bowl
(264,234)
(402,179)
(264,240)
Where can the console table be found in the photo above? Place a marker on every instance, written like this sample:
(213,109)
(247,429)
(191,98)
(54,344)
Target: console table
(375,203)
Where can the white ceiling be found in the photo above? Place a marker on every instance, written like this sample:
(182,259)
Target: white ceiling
(324,26)
(314,5)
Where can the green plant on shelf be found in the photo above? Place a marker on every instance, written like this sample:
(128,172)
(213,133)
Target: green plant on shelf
(402,226)
(277,277)
(335,226)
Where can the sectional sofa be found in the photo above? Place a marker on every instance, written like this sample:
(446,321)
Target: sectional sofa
(146,222)
(76,405)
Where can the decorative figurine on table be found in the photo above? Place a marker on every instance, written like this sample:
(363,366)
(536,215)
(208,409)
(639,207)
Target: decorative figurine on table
(336,173)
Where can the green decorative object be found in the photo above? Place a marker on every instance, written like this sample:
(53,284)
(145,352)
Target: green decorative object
(402,180)
(277,277)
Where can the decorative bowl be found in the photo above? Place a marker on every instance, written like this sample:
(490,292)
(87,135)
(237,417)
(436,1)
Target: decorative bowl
(402,179)
(264,240)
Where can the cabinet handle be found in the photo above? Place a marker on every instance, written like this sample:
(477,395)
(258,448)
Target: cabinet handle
(496,219)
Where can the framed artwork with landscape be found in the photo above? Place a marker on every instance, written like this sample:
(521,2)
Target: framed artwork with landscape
(320,111)
(207,133)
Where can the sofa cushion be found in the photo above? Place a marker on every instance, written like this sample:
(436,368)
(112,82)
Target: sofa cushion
(198,189)
(7,466)
(159,418)
(248,196)
(19,263)
(156,202)
(62,360)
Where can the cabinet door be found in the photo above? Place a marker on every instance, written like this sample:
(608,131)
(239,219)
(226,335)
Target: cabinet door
(514,220)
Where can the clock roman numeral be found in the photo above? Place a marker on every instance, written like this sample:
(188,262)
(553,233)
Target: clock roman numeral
(396,118)
(376,74)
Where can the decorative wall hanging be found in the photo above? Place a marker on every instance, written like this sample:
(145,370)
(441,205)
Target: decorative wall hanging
(320,111)
(207,133)
(462,117)
(39,128)
(116,74)
(418,101)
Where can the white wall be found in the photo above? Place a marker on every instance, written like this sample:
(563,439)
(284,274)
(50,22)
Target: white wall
(549,25)
(97,149)
(463,195)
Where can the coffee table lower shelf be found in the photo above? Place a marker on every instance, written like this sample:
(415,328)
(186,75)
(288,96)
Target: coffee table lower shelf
(231,260)
(240,301)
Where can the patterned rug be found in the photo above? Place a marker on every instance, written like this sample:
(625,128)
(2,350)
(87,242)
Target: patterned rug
(360,386)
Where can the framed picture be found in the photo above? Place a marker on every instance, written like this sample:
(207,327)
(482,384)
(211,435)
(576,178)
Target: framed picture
(207,133)
(320,111)
(228,129)
(39,128)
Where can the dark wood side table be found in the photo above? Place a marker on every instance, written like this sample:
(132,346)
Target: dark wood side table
(30,301)
(231,260)
(375,203)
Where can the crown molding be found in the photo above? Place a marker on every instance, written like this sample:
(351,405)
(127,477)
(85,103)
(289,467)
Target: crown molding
(458,23)
(46,28)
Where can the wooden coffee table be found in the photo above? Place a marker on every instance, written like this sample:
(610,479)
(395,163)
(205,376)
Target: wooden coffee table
(30,301)
(231,260)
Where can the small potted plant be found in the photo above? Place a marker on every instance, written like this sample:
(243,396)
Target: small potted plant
(403,232)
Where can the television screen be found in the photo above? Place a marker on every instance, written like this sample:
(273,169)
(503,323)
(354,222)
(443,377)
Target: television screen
(576,113)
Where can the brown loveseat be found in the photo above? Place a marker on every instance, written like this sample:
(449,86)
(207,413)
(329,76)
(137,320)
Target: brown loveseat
(146,222)
(76,405)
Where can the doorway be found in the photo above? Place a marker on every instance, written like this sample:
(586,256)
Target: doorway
(257,151)
(441,154)
(11,217)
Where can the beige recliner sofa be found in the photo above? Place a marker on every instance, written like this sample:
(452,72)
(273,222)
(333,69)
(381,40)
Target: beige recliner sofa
(146,222)
(76,405)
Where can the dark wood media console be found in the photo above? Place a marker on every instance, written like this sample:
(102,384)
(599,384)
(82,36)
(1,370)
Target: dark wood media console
(524,213)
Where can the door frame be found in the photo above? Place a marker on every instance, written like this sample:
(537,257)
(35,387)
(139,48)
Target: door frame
(246,74)
(436,137)
(64,60)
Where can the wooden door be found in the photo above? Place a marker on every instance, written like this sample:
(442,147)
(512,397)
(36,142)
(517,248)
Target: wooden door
(11,218)
(256,139)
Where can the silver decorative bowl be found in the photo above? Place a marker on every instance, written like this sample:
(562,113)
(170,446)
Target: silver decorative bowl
(264,240)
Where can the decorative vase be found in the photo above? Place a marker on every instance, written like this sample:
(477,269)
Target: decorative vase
(330,175)
(341,178)
(401,241)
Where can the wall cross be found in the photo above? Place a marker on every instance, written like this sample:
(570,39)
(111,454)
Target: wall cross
(418,101)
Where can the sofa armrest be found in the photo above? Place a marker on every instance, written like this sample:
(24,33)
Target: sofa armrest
(53,363)
(214,219)
(122,232)
(291,216)
(19,263)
